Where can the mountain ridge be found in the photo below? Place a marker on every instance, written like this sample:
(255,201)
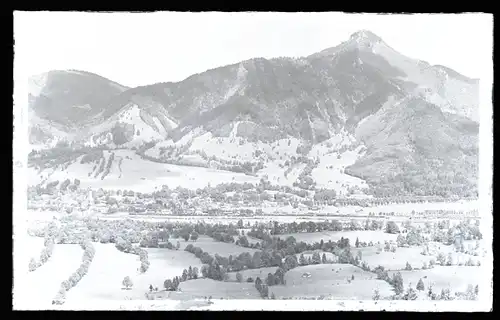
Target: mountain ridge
(339,92)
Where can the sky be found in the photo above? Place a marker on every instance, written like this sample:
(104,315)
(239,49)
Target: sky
(143,48)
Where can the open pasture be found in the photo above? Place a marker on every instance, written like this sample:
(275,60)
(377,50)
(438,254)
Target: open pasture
(201,288)
(37,289)
(110,266)
(393,260)
(331,280)
(213,247)
(105,276)
(455,278)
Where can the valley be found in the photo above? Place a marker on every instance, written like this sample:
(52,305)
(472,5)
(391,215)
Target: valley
(349,174)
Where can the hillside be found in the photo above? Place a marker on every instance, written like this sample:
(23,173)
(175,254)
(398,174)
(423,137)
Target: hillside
(356,115)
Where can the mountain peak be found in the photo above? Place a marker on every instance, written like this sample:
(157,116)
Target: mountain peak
(365,38)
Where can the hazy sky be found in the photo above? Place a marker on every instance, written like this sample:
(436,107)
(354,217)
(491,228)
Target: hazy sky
(143,48)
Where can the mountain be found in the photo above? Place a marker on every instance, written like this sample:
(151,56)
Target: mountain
(357,114)
(68,100)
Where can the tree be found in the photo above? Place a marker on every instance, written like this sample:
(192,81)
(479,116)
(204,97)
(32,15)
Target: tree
(184,275)
(243,241)
(359,256)
(127,282)
(357,243)
(279,276)
(264,291)
(323,258)
(441,258)
(185,236)
(258,284)
(429,292)
(410,294)
(420,285)
(401,241)
(270,279)
(391,227)
(194,236)
(449,261)
(168,284)
(178,246)
(387,246)
(376,294)
(414,238)
(204,271)
(273,297)
(408,266)
(151,288)
(302,260)
(239,277)
(397,283)
(195,273)
(316,258)
(32,265)
(445,294)
(476,290)
(291,262)
(176,282)
(190,273)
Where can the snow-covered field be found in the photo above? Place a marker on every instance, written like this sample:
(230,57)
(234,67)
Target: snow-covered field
(35,290)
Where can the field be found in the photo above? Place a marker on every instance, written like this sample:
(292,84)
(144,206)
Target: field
(393,260)
(103,281)
(331,280)
(105,275)
(456,278)
(365,236)
(206,288)
(110,266)
(37,289)
(201,288)
(436,247)
(142,175)
(213,247)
